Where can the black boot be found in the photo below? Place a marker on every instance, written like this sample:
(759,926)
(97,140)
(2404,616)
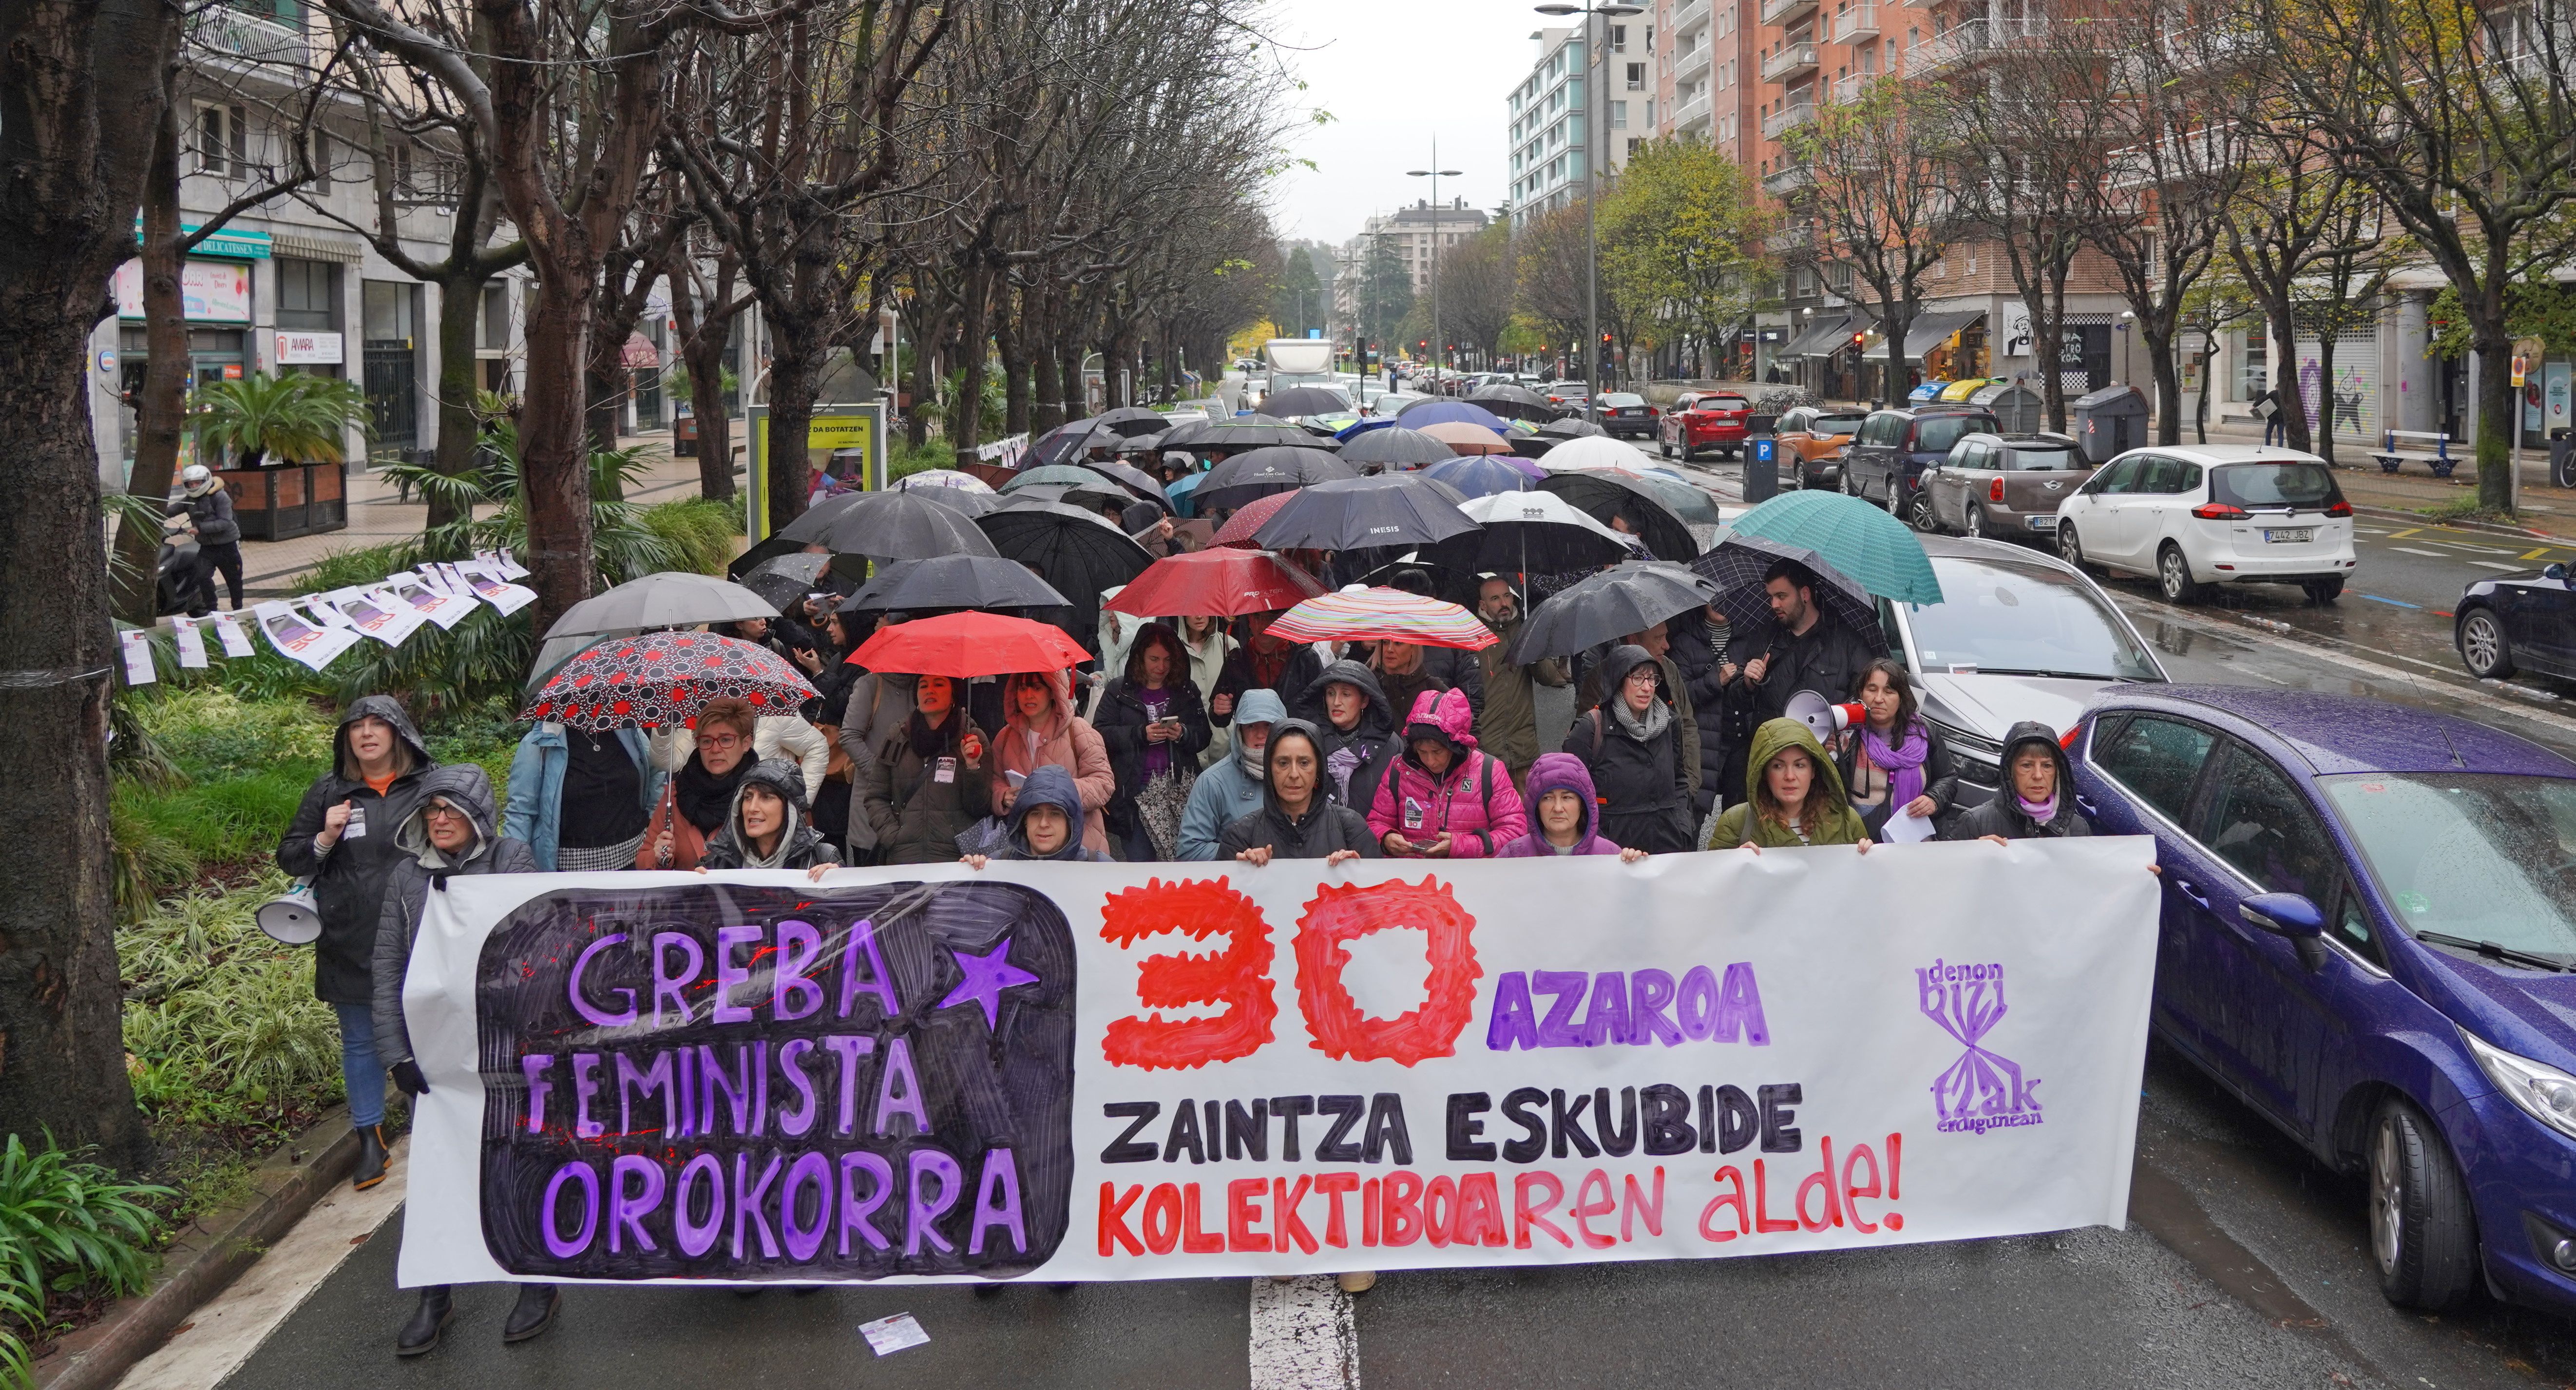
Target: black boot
(371,1158)
(533,1313)
(420,1335)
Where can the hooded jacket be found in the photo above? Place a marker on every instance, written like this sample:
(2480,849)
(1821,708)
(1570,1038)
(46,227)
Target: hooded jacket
(1838,825)
(1560,772)
(534,813)
(1474,803)
(1690,742)
(2003,815)
(803,845)
(1362,754)
(1642,783)
(349,877)
(1065,740)
(1231,789)
(915,817)
(1326,827)
(1507,720)
(1050,785)
(407,884)
(211,513)
(1122,723)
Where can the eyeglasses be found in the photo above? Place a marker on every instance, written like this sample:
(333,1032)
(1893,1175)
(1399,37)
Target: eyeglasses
(1643,675)
(719,740)
(440,811)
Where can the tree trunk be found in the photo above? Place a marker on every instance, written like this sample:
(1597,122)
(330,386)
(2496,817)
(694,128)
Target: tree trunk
(554,452)
(460,300)
(1010,337)
(162,410)
(603,390)
(917,378)
(2498,408)
(2280,369)
(966,413)
(2208,382)
(1069,355)
(1046,382)
(702,347)
(795,376)
(2325,393)
(2168,379)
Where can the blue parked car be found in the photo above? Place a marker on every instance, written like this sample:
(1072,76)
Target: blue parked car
(2368,935)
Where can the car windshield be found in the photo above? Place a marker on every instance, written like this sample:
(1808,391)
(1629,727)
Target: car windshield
(2013,619)
(2469,858)
(2302,485)
(2040,458)
(1935,434)
(1837,424)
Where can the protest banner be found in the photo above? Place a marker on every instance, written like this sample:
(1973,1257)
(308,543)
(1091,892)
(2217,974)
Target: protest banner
(378,614)
(299,637)
(190,642)
(1077,1071)
(433,601)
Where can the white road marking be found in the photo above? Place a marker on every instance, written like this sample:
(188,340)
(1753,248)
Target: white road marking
(225,1332)
(2492,565)
(2481,549)
(1303,1335)
(2431,554)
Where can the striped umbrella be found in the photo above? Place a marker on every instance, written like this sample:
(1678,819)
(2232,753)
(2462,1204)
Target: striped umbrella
(1380,615)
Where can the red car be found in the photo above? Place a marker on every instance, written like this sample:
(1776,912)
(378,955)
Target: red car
(1712,421)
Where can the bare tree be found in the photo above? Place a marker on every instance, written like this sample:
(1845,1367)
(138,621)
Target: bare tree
(1878,202)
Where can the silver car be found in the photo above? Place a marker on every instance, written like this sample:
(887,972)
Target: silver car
(2019,634)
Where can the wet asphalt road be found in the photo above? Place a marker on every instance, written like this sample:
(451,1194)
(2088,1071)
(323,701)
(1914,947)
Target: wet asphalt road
(2244,1264)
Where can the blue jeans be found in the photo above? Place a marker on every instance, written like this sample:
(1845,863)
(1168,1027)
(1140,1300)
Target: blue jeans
(2276,431)
(359,1070)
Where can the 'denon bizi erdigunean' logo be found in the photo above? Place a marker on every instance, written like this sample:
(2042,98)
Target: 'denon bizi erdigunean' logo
(1984,1089)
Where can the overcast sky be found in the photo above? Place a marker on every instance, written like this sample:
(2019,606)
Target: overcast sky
(1394,74)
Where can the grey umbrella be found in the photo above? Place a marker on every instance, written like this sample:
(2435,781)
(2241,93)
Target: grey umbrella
(787,578)
(1607,606)
(1133,420)
(1395,447)
(671,599)
(888,526)
(955,581)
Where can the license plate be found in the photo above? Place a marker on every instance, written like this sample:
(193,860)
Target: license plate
(2291,535)
(2045,522)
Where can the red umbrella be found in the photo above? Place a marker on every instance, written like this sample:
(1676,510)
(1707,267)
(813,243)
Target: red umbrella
(969,644)
(1222,583)
(661,679)
(1247,519)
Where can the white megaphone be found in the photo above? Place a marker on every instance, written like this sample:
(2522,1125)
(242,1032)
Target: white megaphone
(1822,718)
(294,917)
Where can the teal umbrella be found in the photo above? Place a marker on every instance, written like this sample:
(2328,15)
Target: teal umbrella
(1878,552)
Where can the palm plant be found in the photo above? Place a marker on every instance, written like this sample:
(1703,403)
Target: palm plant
(298,417)
(622,545)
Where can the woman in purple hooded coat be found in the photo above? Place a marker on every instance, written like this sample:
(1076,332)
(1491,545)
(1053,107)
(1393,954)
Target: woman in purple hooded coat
(1563,809)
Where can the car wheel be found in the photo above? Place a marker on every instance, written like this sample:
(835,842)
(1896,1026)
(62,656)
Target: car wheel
(2070,547)
(2173,576)
(2422,1232)
(1918,512)
(2484,647)
(2324,591)
(1973,525)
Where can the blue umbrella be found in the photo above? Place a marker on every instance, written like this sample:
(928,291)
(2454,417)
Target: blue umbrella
(1480,475)
(1422,413)
(1180,490)
(1880,553)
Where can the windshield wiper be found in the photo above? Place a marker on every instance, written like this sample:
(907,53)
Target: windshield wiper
(2493,951)
(2034,671)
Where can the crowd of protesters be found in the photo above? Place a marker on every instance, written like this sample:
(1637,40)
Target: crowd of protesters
(1190,739)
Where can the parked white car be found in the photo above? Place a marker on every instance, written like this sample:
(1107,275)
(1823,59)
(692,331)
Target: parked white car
(2191,517)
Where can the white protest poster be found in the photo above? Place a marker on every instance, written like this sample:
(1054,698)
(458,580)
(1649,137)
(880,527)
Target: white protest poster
(494,590)
(325,610)
(935,1073)
(299,638)
(431,602)
(380,615)
(510,566)
(136,646)
(228,629)
(191,642)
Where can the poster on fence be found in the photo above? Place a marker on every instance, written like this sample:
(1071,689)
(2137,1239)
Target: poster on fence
(1077,1071)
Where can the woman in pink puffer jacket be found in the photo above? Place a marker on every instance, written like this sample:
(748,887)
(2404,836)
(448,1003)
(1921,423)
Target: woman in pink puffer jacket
(1444,799)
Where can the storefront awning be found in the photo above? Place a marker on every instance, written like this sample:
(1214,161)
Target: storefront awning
(639,354)
(1929,331)
(1823,338)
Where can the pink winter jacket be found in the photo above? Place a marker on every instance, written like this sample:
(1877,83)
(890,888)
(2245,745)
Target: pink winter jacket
(1066,740)
(1475,803)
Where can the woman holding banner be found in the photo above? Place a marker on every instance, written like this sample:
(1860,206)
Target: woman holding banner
(342,841)
(1045,823)
(1793,796)
(2036,803)
(768,827)
(1296,820)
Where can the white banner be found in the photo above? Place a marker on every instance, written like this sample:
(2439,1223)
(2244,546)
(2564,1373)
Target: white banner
(1070,1071)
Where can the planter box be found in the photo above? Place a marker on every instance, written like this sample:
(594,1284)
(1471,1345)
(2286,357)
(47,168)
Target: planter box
(279,504)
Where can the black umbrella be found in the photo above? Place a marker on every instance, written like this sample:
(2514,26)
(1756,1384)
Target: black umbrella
(1570,427)
(1245,432)
(887,526)
(1365,513)
(1261,472)
(1606,494)
(955,581)
(1136,445)
(1058,444)
(1090,496)
(1133,420)
(1532,446)
(1736,564)
(1303,400)
(1395,447)
(1132,478)
(1077,552)
(1608,606)
(788,578)
(1513,402)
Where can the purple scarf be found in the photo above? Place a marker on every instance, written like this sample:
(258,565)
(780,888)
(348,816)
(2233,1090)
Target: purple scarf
(1902,763)
(2040,812)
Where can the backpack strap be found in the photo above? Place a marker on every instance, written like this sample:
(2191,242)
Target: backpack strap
(1596,731)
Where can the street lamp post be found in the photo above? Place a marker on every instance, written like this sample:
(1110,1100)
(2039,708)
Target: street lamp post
(1439,345)
(1592,187)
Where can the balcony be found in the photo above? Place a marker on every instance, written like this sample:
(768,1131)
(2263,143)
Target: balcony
(245,35)
(1782,11)
(1794,57)
(1688,66)
(1691,117)
(1848,89)
(1785,181)
(1690,14)
(1787,119)
(1857,23)
(1787,240)
(1967,42)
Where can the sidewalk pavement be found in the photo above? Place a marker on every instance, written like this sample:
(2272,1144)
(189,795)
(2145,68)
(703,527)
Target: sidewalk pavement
(377,515)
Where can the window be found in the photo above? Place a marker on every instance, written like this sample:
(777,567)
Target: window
(223,141)
(2157,759)
(1635,144)
(388,306)
(1618,38)
(1970,453)
(1636,77)
(1618,115)
(308,294)
(496,315)
(2117,478)
(2294,485)
(2166,476)
(2258,822)
(2352,923)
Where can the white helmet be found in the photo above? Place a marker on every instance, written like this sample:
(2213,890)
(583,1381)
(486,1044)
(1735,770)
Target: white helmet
(197,479)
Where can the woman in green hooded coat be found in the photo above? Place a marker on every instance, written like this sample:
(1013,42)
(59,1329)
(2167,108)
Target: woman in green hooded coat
(1793,796)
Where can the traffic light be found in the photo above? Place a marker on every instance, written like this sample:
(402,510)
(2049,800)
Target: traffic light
(1857,340)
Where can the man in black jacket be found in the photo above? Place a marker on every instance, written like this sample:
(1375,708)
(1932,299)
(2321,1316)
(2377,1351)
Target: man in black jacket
(209,509)
(1804,648)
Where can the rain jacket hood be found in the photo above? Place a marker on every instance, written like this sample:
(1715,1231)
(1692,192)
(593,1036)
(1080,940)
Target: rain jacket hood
(1376,720)
(1560,772)
(1257,707)
(1050,785)
(388,709)
(2028,733)
(464,786)
(799,843)
(1838,824)
(1442,715)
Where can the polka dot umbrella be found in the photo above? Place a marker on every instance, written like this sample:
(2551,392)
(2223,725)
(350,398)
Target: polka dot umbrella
(660,680)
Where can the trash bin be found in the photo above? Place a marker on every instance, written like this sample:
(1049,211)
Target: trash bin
(2109,422)
(2017,409)
(1926,393)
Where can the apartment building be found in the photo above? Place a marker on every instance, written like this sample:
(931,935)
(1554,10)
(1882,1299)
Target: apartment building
(1564,98)
(1417,235)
